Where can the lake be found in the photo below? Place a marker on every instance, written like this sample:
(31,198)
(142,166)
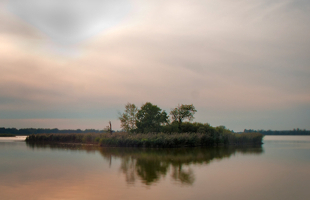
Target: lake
(279,169)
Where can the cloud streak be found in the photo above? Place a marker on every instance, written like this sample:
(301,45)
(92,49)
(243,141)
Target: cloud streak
(70,21)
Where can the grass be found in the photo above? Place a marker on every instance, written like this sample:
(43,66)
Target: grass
(7,135)
(151,140)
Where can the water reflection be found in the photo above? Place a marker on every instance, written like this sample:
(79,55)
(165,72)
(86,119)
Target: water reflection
(150,165)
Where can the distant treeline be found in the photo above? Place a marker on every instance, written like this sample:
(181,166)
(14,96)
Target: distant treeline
(284,132)
(29,131)
(6,135)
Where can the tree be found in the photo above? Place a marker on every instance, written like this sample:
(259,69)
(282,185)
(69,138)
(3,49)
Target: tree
(183,112)
(150,118)
(129,117)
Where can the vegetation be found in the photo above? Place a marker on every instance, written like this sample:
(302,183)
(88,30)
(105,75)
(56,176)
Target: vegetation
(129,117)
(149,127)
(29,131)
(152,140)
(7,135)
(150,118)
(284,132)
(180,113)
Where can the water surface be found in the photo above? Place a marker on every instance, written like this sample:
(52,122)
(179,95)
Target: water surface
(277,170)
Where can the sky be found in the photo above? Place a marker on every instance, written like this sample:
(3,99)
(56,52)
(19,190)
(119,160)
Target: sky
(72,64)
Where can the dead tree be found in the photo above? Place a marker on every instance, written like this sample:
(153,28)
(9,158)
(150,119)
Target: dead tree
(110,128)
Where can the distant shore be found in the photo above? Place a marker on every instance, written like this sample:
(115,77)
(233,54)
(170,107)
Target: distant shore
(7,135)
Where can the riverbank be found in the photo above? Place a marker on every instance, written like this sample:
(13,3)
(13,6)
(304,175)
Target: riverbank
(151,140)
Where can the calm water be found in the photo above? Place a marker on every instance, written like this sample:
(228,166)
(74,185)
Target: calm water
(280,169)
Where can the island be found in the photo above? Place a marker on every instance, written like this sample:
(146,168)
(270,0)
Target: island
(150,127)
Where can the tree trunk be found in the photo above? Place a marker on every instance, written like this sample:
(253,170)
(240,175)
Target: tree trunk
(110,127)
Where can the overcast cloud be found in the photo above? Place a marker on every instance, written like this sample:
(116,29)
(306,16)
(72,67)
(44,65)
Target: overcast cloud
(243,64)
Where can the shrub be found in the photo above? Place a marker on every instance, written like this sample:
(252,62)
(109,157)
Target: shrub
(154,140)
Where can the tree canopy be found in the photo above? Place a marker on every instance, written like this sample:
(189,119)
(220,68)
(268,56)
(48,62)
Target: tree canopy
(150,118)
(129,117)
(183,112)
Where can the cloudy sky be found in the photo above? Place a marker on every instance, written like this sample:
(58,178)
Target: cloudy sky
(76,63)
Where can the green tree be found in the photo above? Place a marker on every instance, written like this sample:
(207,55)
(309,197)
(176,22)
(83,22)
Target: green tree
(183,112)
(150,118)
(129,117)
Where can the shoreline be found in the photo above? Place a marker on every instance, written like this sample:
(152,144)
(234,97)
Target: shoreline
(150,140)
(99,145)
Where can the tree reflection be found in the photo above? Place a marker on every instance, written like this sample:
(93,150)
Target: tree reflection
(150,165)
(183,176)
(128,167)
(151,170)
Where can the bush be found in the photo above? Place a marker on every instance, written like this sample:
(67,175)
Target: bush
(153,140)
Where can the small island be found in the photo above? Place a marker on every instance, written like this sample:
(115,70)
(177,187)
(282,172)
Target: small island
(150,127)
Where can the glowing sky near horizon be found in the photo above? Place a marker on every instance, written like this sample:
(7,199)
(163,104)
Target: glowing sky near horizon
(75,64)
